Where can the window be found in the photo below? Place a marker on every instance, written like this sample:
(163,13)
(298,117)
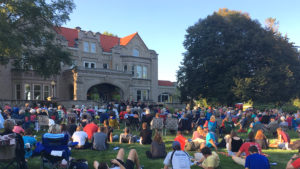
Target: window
(135,52)
(93,47)
(37,92)
(18,92)
(86,65)
(145,95)
(46,92)
(144,72)
(117,67)
(86,46)
(90,65)
(138,95)
(105,66)
(125,68)
(132,70)
(139,71)
(27,92)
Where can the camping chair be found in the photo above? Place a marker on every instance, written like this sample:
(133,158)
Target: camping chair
(8,151)
(55,149)
(157,124)
(43,121)
(171,124)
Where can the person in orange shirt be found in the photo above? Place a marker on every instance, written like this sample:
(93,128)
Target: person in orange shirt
(181,139)
(90,129)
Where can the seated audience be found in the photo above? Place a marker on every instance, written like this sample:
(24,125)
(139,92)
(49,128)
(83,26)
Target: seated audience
(294,162)
(256,160)
(109,131)
(158,148)
(181,139)
(145,134)
(210,139)
(20,152)
(132,160)
(211,159)
(81,137)
(71,128)
(283,140)
(29,143)
(63,130)
(177,158)
(233,143)
(18,128)
(90,129)
(126,137)
(198,135)
(157,123)
(245,149)
(261,139)
(84,120)
(99,139)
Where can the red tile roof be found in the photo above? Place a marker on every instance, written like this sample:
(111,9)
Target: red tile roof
(69,34)
(108,42)
(124,41)
(165,83)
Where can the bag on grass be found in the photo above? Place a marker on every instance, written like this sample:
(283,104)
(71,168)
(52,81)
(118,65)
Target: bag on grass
(79,164)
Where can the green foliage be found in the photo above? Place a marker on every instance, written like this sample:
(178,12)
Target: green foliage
(109,34)
(201,102)
(27,35)
(116,97)
(296,102)
(231,58)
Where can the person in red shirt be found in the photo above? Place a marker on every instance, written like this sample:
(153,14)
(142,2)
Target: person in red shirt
(245,149)
(90,129)
(181,139)
(294,162)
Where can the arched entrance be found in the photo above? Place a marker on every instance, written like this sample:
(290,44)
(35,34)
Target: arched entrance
(104,92)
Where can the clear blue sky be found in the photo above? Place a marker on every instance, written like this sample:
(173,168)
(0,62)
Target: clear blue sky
(162,24)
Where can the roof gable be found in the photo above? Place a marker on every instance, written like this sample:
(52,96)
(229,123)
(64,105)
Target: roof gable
(125,40)
(70,35)
(108,42)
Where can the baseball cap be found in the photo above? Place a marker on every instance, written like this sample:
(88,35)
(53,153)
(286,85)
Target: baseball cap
(175,144)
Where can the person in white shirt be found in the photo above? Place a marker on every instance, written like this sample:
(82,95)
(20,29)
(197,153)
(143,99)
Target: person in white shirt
(81,137)
(178,159)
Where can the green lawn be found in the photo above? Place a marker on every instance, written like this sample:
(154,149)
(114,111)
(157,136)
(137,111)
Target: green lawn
(281,157)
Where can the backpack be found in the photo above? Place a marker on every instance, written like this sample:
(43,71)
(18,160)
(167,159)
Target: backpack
(78,164)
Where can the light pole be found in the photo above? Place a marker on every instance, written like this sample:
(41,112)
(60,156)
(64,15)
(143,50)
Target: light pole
(53,85)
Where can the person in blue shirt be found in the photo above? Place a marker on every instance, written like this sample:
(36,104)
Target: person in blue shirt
(256,160)
(29,143)
(210,139)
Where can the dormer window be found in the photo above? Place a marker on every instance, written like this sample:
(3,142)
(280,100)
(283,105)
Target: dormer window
(135,52)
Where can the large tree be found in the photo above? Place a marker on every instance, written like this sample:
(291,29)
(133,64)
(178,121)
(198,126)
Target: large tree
(27,35)
(230,57)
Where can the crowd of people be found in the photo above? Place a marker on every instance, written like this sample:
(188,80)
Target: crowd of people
(212,129)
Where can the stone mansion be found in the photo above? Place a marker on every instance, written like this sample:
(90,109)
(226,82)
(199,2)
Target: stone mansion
(104,68)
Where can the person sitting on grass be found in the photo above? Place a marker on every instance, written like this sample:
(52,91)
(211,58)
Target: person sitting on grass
(145,135)
(119,163)
(18,128)
(126,137)
(81,137)
(256,160)
(233,143)
(210,139)
(261,139)
(90,129)
(99,139)
(294,162)
(210,159)
(109,131)
(158,148)
(177,158)
(283,140)
(245,149)
(181,139)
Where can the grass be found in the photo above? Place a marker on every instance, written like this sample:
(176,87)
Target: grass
(281,157)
